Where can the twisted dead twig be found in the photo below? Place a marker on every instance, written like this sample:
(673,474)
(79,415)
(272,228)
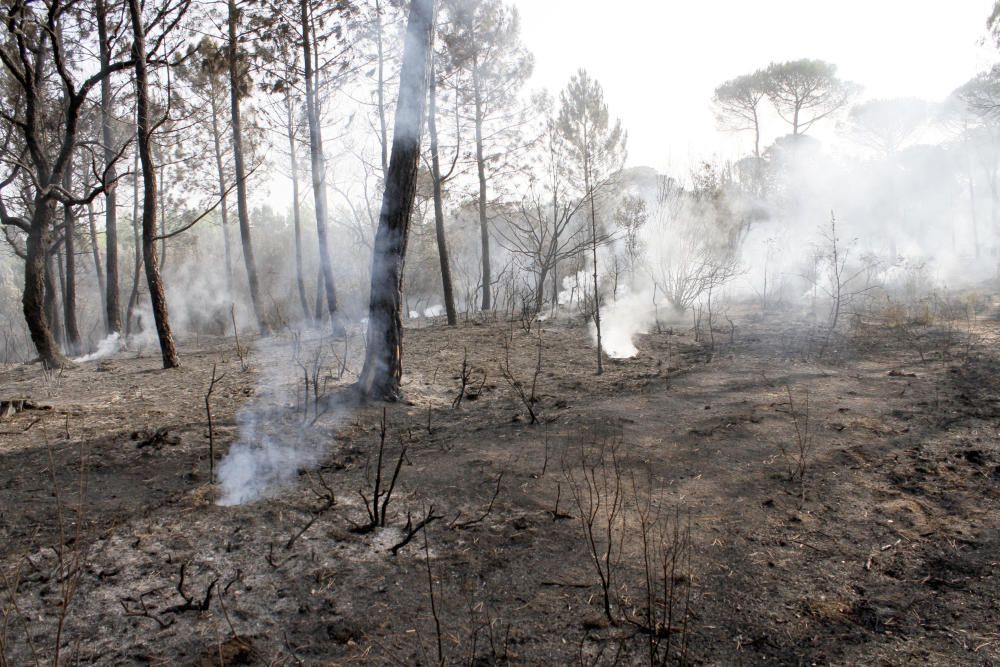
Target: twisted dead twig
(189,603)
(276,564)
(331,500)
(489,508)
(211,431)
(379,502)
(412,530)
(143,611)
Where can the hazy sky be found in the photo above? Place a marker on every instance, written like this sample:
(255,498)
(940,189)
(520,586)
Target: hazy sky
(659,62)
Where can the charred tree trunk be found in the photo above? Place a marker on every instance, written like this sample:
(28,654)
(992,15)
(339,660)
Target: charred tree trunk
(113,314)
(383,369)
(69,285)
(300,279)
(145,149)
(133,297)
(241,184)
(39,288)
(318,164)
(96,252)
(442,242)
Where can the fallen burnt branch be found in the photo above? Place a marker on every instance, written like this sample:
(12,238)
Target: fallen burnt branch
(331,500)
(489,508)
(276,564)
(143,611)
(412,530)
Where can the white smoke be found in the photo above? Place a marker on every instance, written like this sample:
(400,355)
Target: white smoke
(630,314)
(268,456)
(108,346)
(277,432)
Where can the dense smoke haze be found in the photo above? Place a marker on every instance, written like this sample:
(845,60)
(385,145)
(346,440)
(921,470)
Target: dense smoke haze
(823,180)
(499,332)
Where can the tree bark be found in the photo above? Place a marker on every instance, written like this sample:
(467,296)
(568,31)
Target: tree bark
(241,184)
(442,241)
(383,368)
(145,128)
(113,315)
(318,164)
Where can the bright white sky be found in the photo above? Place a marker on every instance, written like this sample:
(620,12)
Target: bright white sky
(660,61)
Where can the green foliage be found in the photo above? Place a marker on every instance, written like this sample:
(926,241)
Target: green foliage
(806,91)
(738,100)
(595,144)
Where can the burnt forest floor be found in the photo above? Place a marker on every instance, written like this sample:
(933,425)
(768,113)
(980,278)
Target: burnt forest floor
(763,502)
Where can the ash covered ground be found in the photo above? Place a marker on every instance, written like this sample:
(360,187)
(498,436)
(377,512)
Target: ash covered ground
(734,497)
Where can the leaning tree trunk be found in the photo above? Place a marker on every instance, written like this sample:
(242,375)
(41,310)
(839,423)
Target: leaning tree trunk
(442,241)
(112,298)
(318,164)
(145,129)
(383,369)
(241,183)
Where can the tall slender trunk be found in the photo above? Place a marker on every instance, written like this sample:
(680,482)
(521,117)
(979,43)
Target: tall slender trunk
(73,341)
(53,270)
(380,91)
(756,135)
(300,280)
(588,182)
(113,315)
(223,190)
(96,251)
(168,350)
(133,297)
(383,368)
(555,244)
(318,164)
(442,242)
(972,205)
(484,230)
(241,184)
(162,202)
(320,293)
